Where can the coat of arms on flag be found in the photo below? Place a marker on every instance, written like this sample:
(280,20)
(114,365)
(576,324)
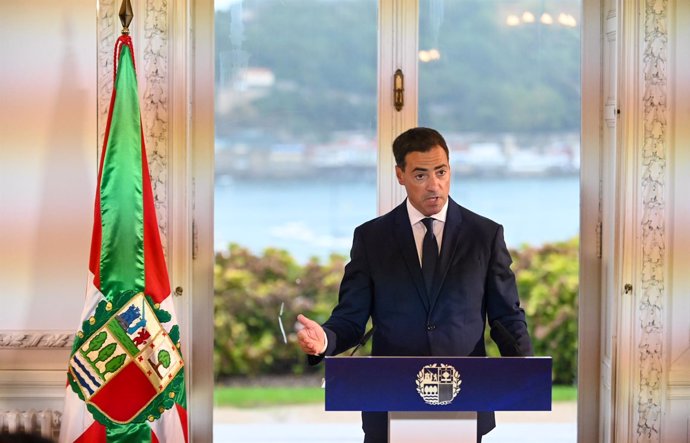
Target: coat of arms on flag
(126,373)
(125,351)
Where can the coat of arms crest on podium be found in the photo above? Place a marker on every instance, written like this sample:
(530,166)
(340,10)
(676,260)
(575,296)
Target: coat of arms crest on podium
(438,383)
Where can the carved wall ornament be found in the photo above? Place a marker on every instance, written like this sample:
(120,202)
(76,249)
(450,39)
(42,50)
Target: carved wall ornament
(36,340)
(108,29)
(151,45)
(155,106)
(653,223)
(43,422)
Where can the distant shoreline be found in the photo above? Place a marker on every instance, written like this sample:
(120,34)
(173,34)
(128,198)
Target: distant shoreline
(317,217)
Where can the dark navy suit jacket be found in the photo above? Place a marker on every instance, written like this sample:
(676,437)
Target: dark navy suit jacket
(384,281)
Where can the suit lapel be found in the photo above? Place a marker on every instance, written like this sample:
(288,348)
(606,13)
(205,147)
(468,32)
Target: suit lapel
(451,235)
(405,239)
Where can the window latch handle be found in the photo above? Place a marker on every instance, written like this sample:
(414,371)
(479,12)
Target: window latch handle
(398,90)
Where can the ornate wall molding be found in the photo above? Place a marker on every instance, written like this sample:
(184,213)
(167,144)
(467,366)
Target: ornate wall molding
(36,340)
(45,423)
(155,106)
(150,31)
(653,183)
(106,31)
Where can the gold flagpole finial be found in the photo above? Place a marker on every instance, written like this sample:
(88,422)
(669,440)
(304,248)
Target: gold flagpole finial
(126,15)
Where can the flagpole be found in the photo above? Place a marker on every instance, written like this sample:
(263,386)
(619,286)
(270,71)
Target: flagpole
(126,15)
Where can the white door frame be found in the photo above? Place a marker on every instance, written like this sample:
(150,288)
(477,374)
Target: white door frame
(398,25)
(591,366)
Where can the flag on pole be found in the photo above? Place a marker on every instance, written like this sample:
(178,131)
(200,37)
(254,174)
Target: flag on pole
(125,373)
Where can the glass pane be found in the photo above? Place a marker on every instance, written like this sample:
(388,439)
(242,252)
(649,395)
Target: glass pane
(295,174)
(295,123)
(501,80)
(503,86)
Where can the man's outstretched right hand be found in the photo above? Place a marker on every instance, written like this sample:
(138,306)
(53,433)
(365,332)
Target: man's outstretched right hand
(311,338)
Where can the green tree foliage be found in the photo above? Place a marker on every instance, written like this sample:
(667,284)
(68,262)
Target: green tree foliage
(97,341)
(323,57)
(115,363)
(164,358)
(548,282)
(490,77)
(496,78)
(249,290)
(106,352)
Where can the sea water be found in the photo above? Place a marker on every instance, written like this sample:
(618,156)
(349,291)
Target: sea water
(317,217)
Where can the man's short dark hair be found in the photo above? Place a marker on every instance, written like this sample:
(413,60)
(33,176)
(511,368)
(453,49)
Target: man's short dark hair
(416,140)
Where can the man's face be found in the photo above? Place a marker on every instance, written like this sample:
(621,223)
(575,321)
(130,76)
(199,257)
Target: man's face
(426,178)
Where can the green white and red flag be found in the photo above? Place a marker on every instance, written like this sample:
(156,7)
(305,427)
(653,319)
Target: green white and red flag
(126,373)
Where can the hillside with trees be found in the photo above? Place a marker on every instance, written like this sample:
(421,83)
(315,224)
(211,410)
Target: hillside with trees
(322,54)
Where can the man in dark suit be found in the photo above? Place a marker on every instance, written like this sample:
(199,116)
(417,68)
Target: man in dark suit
(423,302)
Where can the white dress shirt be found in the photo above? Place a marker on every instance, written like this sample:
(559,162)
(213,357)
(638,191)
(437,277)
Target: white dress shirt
(418,228)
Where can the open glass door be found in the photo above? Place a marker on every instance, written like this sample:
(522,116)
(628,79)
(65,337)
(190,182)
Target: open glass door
(295,158)
(501,80)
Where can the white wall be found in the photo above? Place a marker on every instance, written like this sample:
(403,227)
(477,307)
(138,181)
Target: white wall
(47,161)
(55,85)
(48,136)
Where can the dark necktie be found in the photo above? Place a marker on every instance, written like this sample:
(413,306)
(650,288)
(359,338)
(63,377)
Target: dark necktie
(429,254)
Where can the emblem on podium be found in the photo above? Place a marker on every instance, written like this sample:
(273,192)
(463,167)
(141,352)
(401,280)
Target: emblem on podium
(438,383)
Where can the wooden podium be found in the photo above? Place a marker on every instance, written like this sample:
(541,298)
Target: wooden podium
(436,398)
